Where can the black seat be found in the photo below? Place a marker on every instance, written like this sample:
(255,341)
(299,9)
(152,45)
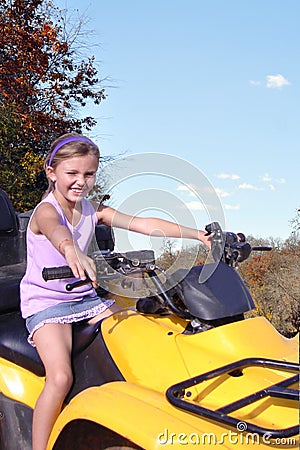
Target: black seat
(15,348)
(8,217)
(10,277)
(11,248)
(105,237)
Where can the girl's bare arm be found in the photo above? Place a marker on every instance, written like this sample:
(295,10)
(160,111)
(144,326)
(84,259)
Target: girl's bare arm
(46,221)
(150,226)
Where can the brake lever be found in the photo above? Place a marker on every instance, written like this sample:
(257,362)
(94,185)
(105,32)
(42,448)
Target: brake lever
(76,284)
(233,261)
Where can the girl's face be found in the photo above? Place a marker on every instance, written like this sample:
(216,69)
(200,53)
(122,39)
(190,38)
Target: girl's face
(74,177)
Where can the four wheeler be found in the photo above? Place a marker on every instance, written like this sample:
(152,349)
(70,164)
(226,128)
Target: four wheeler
(178,368)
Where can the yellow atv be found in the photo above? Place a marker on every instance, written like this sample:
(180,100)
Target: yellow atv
(178,368)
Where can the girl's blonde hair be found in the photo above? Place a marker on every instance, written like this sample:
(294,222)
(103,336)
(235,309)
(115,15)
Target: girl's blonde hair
(67,146)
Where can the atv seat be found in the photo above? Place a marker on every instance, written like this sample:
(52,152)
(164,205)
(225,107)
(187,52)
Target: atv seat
(11,237)
(105,237)
(8,217)
(10,277)
(15,348)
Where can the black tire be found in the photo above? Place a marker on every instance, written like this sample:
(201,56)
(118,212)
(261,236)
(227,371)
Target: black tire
(87,435)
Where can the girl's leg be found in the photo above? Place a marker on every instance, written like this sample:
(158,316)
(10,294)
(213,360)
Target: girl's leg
(108,312)
(54,344)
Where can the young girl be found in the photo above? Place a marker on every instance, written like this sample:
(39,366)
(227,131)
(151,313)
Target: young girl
(59,232)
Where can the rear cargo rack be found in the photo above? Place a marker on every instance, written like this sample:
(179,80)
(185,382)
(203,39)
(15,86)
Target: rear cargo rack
(282,389)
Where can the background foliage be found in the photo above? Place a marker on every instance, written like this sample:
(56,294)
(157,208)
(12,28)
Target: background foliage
(44,82)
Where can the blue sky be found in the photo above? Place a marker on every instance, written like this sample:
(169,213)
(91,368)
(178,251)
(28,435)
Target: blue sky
(214,83)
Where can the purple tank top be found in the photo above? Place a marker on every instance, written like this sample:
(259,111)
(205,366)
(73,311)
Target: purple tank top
(37,294)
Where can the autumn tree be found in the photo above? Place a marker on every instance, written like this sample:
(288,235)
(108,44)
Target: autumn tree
(185,257)
(44,83)
(274,282)
(295,222)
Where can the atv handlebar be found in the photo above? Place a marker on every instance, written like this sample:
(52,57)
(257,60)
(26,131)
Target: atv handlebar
(230,247)
(226,246)
(262,248)
(109,265)
(57,273)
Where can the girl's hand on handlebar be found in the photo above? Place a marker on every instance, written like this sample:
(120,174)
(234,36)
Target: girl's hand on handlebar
(80,264)
(205,239)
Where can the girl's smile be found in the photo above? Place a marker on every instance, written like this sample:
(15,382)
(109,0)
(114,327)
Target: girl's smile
(75,177)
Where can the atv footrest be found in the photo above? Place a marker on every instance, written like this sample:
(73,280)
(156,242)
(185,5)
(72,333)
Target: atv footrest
(282,389)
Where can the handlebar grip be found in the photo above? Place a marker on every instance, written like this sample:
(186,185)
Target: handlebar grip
(262,248)
(56,273)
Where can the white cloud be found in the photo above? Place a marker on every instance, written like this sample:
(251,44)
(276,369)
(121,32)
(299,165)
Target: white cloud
(185,188)
(250,187)
(182,188)
(221,193)
(195,206)
(224,176)
(266,177)
(281,180)
(276,81)
(232,207)
(255,83)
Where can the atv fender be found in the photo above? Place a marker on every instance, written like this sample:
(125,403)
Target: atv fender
(19,384)
(143,416)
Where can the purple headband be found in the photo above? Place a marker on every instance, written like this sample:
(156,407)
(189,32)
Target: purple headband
(67,141)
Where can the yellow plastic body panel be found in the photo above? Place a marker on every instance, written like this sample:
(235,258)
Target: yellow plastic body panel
(146,418)
(132,411)
(154,353)
(19,384)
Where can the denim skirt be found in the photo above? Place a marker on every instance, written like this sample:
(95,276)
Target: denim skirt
(67,312)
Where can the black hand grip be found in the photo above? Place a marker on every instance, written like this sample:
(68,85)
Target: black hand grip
(261,249)
(56,273)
